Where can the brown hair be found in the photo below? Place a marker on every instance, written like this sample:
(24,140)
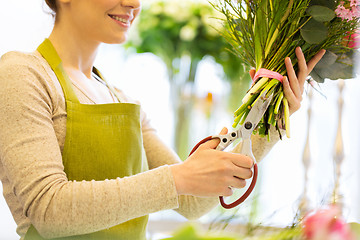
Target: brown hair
(52,5)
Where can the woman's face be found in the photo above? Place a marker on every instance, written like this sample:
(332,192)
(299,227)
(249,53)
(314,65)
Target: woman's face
(101,20)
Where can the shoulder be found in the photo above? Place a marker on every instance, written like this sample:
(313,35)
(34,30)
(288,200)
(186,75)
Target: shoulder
(20,66)
(24,64)
(26,75)
(21,60)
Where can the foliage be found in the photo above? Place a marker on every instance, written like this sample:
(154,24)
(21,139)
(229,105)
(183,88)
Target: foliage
(182,33)
(172,29)
(190,232)
(323,224)
(264,32)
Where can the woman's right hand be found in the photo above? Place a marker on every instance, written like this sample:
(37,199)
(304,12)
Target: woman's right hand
(209,172)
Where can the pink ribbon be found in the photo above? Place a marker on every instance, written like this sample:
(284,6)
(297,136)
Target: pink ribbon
(269,74)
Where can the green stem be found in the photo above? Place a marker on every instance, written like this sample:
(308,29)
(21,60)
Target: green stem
(236,121)
(272,83)
(278,102)
(245,115)
(271,119)
(286,116)
(258,85)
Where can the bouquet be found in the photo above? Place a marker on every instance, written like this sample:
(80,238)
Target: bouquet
(264,32)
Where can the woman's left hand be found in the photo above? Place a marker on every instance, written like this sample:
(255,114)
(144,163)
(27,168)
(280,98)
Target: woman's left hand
(294,83)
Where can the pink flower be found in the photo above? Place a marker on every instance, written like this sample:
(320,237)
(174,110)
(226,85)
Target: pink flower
(326,224)
(354,3)
(348,11)
(355,11)
(353,41)
(342,12)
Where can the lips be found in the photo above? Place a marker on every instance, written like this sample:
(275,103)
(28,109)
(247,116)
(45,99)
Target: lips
(122,18)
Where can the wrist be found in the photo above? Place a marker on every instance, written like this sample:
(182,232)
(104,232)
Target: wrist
(176,170)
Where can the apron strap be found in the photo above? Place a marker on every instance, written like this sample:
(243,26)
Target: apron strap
(109,86)
(47,50)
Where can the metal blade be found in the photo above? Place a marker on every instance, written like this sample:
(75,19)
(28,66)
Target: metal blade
(255,115)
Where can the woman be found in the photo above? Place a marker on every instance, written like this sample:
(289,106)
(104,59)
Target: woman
(79,159)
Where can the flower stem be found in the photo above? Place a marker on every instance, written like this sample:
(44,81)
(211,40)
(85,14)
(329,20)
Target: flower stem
(286,116)
(278,102)
(258,85)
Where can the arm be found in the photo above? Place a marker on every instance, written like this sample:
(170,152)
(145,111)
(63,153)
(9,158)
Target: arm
(32,162)
(159,154)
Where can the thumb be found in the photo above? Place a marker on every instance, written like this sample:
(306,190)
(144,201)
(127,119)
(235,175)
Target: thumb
(215,142)
(252,73)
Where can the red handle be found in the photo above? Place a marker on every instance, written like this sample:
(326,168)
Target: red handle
(248,191)
(245,195)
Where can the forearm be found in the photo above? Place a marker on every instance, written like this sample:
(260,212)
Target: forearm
(74,208)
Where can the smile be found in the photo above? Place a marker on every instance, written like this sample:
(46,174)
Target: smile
(123,20)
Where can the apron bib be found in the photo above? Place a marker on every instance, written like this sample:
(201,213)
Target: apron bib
(103,141)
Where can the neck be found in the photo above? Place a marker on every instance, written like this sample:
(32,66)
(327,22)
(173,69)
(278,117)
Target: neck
(76,51)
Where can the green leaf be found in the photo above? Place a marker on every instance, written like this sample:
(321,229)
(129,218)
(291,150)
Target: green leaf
(325,3)
(314,32)
(316,76)
(186,232)
(321,13)
(328,59)
(335,71)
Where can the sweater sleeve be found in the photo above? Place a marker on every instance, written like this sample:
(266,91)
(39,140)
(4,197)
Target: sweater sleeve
(159,154)
(32,163)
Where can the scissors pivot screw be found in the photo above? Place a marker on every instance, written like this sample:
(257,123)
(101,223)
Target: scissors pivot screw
(248,125)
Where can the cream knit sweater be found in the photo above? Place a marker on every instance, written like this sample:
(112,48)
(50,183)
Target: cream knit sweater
(32,135)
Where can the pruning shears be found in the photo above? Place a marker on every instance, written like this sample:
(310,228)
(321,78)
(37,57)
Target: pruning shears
(244,132)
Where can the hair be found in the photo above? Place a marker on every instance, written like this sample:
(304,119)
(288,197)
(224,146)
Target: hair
(52,5)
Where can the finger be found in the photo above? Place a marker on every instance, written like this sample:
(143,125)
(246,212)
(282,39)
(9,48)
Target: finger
(303,71)
(215,142)
(237,182)
(312,63)
(227,192)
(293,101)
(224,131)
(294,83)
(243,173)
(252,73)
(242,161)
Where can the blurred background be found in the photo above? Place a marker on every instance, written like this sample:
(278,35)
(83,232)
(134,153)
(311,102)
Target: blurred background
(176,64)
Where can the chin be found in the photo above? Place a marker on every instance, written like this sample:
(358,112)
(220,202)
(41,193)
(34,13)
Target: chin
(117,40)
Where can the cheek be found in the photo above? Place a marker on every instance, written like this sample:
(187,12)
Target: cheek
(136,14)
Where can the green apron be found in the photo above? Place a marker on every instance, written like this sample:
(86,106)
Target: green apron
(103,141)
